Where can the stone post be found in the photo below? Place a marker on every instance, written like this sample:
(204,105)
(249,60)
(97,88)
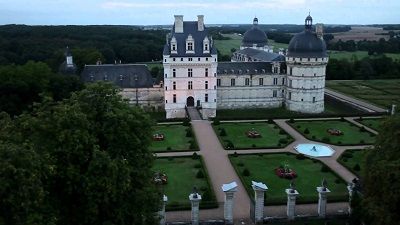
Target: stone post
(291,202)
(195,199)
(259,190)
(350,187)
(393,111)
(322,194)
(161,213)
(229,190)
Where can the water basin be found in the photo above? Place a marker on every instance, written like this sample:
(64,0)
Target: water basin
(314,150)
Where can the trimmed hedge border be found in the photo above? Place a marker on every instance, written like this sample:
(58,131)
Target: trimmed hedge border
(341,162)
(185,150)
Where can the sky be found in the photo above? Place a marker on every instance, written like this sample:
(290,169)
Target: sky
(161,12)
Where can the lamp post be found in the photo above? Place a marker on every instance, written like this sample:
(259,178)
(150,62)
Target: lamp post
(136,85)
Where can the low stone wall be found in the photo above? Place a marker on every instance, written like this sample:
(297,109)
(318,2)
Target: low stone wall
(145,97)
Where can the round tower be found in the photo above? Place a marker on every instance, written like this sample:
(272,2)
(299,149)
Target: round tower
(306,62)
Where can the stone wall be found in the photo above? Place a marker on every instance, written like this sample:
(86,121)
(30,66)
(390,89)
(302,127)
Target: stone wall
(146,97)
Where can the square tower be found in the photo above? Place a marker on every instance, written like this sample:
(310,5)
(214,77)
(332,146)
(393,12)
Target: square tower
(190,69)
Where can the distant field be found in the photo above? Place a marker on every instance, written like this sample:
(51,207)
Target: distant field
(379,92)
(357,54)
(359,33)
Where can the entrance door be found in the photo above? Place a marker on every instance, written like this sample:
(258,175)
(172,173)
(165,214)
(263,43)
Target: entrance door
(198,103)
(190,101)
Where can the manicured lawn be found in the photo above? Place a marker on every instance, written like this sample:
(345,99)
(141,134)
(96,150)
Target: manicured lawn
(373,123)
(181,173)
(353,157)
(382,93)
(318,131)
(357,54)
(262,166)
(174,138)
(272,136)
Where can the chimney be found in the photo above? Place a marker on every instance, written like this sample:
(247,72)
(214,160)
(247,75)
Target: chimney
(178,24)
(200,22)
(319,30)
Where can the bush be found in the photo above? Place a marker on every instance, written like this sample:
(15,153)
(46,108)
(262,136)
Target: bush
(229,144)
(270,121)
(260,154)
(338,181)
(222,132)
(276,127)
(203,188)
(216,121)
(342,119)
(283,141)
(241,164)
(345,159)
(362,142)
(246,172)
(235,154)
(195,156)
(357,167)
(189,132)
(298,126)
(192,145)
(306,131)
(291,120)
(362,129)
(360,118)
(253,145)
(339,142)
(200,174)
(281,132)
(206,195)
(197,166)
(300,156)
(169,148)
(326,139)
(314,160)
(170,158)
(325,169)
(186,122)
(313,137)
(347,154)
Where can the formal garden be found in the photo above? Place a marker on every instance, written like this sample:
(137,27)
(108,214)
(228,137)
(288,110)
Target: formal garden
(176,177)
(336,132)
(173,137)
(373,123)
(251,135)
(353,160)
(278,170)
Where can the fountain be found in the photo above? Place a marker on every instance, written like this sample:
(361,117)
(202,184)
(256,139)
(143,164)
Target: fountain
(314,150)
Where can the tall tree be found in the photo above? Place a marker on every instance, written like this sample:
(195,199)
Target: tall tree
(382,176)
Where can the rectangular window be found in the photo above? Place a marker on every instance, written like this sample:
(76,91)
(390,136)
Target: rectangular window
(190,72)
(174,98)
(313,99)
(190,85)
(275,81)
(291,71)
(173,47)
(206,97)
(166,88)
(190,59)
(206,85)
(290,95)
(218,82)
(290,83)
(206,72)
(283,81)
(173,72)
(173,59)
(174,85)
(261,81)
(190,46)
(232,82)
(206,47)
(274,93)
(275,69)
(247,81)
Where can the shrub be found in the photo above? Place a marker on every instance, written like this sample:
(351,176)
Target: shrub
(300,156)
(241,164)
(169,148)
(357,167)
(360,118)
(207,195)
(362,142)
(170,158)
(192,145)
(197,166)
(229,144)
(326,139)
(281,132)
(195,156)
(246,172)
(203,188)
(200,174)
(306,131)
(222,132)
(347,155)
(362,129)
(291,120)
(283,141)
(345,159)
(189,132)
(253,145)
(342,119)
(235,154)
(324,169)
(314,160)
(216,121)
(260,154)
(298,126)
(338,181)
(270,121)
(276,127)
(186,122)
(339,142)
(313,137)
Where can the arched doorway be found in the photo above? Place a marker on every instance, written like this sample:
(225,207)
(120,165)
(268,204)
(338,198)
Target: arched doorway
(190,101)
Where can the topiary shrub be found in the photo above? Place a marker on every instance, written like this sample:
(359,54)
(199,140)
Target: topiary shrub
(342,119)
(313,137)
(338,181)
(189,132)
(345,159)
(357,167)
(291,120)
(186,122)
(326,139)
(347,154)
(360,118)
(300,156)
(235,154)
(270,121)
(362,142)
(283,141)
(339,142)
(298,126)
(195,156)
(229,144)
(306,131)
(253,145)
(216,121)
(324,169)
(282,132)
(197,166)
(241,164)
(169,148)
(222,132)
(362,129)
(192,145)
(200,174)
(203,188)
(246,172)
(170,158)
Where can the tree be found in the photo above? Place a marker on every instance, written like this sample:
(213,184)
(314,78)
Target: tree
(96,148)
(382,176)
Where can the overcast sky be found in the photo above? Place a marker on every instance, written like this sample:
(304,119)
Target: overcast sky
(150,12)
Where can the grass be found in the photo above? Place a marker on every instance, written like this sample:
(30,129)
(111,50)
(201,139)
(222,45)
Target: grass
(272,136)
(382,93)
(181,173)
(174,138)
(352,135)
(373,123)
(262,166)
(351,158)
(357,54)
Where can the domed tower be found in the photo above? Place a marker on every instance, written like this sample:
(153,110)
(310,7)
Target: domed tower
(255,38)
(306,62)
(68,67)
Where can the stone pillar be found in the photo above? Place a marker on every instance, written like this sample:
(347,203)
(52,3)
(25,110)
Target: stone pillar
(195,199)
(393,111)
(322,193)
(229,190)
(161,213)
(291,202)
(259,190)
(350,187)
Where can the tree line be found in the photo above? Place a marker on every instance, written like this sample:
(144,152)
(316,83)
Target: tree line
(373,47)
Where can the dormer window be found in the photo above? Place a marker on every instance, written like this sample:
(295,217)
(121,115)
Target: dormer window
(206,45)
(174,46)
(190,44)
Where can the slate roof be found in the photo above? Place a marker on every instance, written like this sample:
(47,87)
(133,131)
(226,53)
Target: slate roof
(244,68)
(307,45)
(189,27)
(261,55)
(67,70)
(122,75)
(255,36)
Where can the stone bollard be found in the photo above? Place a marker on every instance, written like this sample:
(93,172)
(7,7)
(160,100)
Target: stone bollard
(259,190)
(161,213)
(229,190)
(291,201)
(195,199)
(350,188)
(322,200)
(393,111)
